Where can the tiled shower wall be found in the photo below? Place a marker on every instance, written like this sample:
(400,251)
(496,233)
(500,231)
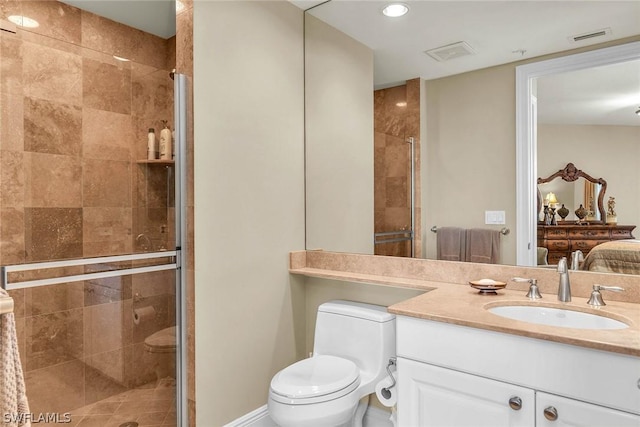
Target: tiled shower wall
(396,118)
(73,124)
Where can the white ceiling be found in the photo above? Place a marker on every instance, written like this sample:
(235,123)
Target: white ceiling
(499,31)
(607,95)
(496,30)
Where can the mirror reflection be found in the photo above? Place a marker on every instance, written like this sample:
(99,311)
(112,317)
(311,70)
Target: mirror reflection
(576,188)
(463,126)
(590,233)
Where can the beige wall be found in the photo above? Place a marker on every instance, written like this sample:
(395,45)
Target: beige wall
(249,201)
(339,140)
(609,152)
(469,153)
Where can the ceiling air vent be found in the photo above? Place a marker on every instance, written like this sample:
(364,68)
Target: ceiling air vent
(590,35)
(455,50)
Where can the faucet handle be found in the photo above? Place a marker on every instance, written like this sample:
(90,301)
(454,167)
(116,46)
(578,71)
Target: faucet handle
(534,292)
(596,297)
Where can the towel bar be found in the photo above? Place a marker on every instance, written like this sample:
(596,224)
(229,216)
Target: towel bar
(406,236)
(504,231)
(8,285)
(6,305)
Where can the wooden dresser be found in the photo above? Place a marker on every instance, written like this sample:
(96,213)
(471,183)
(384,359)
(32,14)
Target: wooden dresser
(561,239)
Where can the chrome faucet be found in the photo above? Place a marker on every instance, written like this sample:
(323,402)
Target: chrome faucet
(576,258)
(564,287)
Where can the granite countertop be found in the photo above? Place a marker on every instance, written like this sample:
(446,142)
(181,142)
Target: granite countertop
(465,306)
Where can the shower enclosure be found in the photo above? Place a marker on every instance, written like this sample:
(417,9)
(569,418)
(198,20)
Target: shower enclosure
(90,229)
(397,170)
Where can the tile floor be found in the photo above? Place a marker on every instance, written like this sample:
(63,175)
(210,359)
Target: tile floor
(150,405)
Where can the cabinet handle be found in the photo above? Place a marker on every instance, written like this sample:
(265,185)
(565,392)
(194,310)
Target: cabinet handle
(551,413)
(515,403)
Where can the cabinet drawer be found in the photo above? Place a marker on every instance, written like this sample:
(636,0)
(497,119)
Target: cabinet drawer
(431,396)
(553,233)
(584,245)
(554,257)
(589,234)
(558,245)
(621,234)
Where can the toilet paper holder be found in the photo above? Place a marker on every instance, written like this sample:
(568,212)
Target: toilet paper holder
(386,392)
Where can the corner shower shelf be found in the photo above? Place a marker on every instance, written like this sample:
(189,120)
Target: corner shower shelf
(155,162)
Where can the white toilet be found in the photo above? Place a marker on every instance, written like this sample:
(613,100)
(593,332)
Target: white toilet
(160,352)
(352,346)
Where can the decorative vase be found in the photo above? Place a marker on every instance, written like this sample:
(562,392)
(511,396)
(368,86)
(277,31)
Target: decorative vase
(581,213)
(563,212)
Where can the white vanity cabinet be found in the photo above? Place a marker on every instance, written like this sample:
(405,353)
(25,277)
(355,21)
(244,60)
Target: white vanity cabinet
(434,396)
(450,375)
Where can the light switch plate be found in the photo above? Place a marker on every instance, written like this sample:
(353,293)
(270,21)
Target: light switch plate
(494,217)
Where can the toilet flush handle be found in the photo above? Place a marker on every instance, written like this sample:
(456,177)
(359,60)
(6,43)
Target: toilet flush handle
(386,392)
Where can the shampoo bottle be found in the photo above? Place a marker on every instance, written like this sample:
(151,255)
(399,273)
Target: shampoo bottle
(151,144)
(165,142)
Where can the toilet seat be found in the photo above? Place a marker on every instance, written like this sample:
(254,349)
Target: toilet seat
(162,341)
(316,379)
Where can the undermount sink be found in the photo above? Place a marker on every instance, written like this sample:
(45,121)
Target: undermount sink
(557,317)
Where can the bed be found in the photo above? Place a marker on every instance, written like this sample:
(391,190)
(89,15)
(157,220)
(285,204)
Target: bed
(619,256)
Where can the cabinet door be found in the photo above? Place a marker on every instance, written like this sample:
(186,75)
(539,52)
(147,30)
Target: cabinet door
(555,411)
(432,396)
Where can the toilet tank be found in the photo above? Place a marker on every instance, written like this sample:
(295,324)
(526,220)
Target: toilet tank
(362,333)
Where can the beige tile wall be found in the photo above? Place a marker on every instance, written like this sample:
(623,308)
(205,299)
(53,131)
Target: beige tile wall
(73,123)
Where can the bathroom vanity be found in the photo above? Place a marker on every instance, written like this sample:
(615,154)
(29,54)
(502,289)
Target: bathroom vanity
(460,364)
(455,375)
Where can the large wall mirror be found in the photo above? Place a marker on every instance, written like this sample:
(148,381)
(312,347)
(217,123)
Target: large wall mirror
(361,66)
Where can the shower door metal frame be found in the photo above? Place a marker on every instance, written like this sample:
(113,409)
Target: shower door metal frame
(181,103)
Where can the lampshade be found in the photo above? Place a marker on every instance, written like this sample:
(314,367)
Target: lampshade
(551,198)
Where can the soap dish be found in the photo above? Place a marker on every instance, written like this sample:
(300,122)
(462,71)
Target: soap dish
(487,286)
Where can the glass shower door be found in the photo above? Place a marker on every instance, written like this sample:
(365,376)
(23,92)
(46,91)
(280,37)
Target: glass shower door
(88,225)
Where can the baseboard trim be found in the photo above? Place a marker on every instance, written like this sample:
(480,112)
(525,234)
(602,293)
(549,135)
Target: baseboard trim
(374,417)
(252,418)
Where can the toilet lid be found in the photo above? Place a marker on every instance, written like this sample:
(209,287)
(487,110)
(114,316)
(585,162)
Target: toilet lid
(163,339)
(315,376)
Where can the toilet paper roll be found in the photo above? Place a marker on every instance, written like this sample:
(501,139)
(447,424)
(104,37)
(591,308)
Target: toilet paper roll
(143,314)
(392,399)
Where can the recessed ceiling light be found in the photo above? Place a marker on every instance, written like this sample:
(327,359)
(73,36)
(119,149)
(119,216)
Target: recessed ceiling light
(638,111)
(23,21)
(395,10)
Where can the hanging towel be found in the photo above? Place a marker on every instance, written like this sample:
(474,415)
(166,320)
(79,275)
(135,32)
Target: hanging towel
(15,407)
(451,244)
(483,246)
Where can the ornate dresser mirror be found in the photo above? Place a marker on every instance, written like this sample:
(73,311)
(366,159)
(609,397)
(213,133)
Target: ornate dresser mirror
(588,193)
(581,223)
